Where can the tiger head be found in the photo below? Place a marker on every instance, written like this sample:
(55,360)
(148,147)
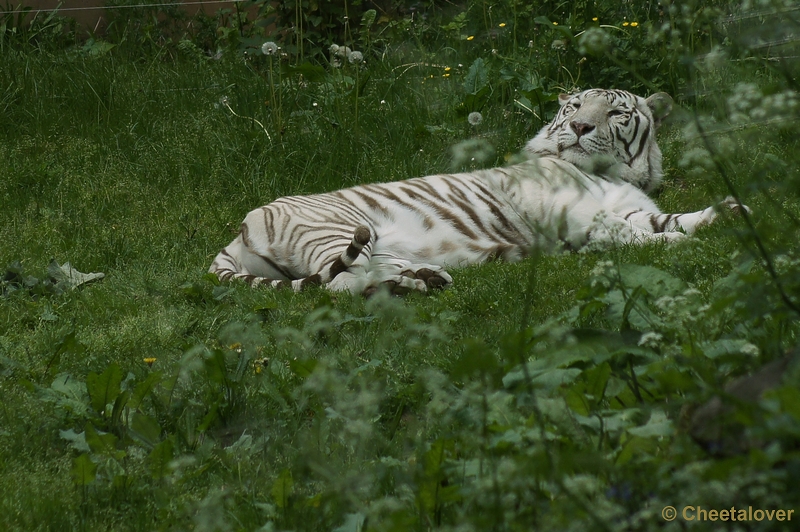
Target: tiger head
(607,132)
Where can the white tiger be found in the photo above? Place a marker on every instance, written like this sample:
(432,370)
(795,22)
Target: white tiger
(585,182)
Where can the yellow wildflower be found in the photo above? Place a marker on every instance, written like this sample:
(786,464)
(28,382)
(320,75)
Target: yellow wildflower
(447,69)
(149,360)
(470,37)
(502,24)
(625,23)
(555,23)
(594,19)
(445,75)
(634,24)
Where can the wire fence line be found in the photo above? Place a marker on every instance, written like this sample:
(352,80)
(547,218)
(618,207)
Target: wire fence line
(95,8)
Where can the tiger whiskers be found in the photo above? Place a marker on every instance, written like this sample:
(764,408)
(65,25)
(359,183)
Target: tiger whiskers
(224,101)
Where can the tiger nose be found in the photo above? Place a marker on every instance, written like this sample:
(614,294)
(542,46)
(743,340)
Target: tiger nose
(581,128)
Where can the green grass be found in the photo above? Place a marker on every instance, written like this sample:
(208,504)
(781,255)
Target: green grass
(314,411)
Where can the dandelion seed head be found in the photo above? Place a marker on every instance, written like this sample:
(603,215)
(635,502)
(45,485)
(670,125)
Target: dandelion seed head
(594,41)
(269,48)
(355,58)
(558,44)
(333,48)
(474,118)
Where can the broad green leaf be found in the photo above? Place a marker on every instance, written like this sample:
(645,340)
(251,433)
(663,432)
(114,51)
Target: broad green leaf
(83,470)
(368,18)
(303,368)
(789,397)
(636,446)
(576,399)
(144,388)
(159,459)
(102,443)
(657,282)
(657,426)
(69,345)
(282,488)
(352,523)
(477,77)
(145,429)
(69,386)
(596,380)
(104,388)
(546,379)
(77,440)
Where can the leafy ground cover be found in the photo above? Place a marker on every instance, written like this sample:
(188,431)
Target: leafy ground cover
(555,394)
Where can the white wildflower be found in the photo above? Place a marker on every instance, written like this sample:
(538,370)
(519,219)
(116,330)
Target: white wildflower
(333,49)
(269,48)
(474,118)
(749,349)
(692,292)
(602,267)
(650,339)
(665,303)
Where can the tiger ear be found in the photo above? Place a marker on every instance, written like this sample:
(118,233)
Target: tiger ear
(564,98)
(660,105)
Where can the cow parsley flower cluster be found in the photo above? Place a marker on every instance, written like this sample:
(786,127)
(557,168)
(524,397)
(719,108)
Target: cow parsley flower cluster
(748,103)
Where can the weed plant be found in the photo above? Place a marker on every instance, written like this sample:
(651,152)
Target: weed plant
(553,394)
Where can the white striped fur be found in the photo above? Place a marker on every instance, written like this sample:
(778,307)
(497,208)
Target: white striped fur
(584,183)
